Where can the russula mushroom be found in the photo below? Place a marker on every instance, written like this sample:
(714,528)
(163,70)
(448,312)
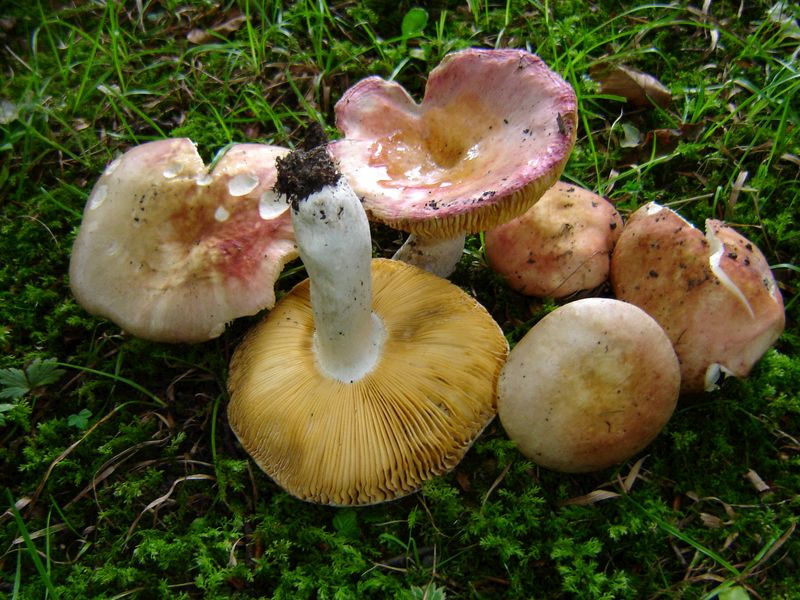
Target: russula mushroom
(170,251)
(588,386)
(713,294)
(493,132)
(369,377)
(561,245)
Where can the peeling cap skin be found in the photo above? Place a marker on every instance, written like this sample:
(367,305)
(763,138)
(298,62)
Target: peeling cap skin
(560,246)
(411,417)
(589,386)
(493,132)
(713,294)
(172,252)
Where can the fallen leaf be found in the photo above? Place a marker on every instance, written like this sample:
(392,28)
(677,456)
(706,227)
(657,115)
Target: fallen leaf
(640,89)
(201,36)
(590,498)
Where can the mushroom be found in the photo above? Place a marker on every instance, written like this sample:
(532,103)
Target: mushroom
(588,386)
(170,251)
(560,246)
(369,377)
(714,295)
(493,132)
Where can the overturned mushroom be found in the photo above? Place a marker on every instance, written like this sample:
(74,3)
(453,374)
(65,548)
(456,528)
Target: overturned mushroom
(493,132)
(589,386)
(369,377)
(170,251)
(561,245)
(714,295)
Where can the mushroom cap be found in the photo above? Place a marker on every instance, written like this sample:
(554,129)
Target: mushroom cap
(713,294)
(171,252)
(493,132)
(589,386)
(412,417)
(561,245)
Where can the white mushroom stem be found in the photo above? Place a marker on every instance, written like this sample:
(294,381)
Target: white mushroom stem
(437,256)
(333,239)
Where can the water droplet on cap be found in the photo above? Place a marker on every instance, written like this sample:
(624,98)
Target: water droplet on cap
(270,206)
(98,196)
(173,170)
(221,214)
(242,184)
(204,180)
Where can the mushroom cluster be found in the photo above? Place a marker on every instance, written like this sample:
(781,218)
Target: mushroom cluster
(593,382)
(374,375)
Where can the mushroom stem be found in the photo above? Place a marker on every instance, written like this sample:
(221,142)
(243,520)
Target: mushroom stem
(333,240)
(436,255)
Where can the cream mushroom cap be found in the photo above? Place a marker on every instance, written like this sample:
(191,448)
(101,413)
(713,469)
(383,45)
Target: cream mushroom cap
(493,132)
(561,245)
(588,386)
(713,294)
(413,416)
(172,252)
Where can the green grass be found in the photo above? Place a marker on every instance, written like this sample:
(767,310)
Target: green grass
(122,477)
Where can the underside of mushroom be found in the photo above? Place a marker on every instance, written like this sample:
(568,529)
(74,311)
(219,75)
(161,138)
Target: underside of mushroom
(371,376)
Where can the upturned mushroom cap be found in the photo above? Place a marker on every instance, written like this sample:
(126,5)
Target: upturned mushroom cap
(713,294)
(561,245)
(171,252)
(589,386)
(412,417)
(493,132)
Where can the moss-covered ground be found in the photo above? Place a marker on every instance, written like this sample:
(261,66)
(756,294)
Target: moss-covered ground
(120,476)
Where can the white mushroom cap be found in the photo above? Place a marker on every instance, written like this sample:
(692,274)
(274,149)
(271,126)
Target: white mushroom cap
(560,246)
(171,252)
(713,294)
(590,385)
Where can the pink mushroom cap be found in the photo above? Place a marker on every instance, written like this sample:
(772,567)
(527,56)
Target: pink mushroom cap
(713,294)
(172,252)
(493,132)
(561,245)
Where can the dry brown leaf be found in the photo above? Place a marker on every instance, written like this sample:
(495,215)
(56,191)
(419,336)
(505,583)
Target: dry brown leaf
(592,497)
(711,521)
(755,479)
(636,87)
(201,36)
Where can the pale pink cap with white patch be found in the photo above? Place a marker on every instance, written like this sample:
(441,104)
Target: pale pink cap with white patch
(172,252)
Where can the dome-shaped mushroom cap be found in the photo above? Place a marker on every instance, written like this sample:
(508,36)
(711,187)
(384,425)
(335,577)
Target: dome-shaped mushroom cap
(412,417)
(589,386)
(493,132)
(713,294)
(171,252)
(561,245)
